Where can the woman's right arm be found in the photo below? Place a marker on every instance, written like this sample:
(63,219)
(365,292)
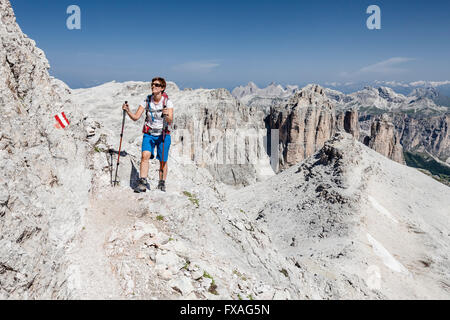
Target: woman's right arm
(134,116)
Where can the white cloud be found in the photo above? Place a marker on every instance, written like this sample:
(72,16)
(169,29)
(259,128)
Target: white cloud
(197,66)
(386,67)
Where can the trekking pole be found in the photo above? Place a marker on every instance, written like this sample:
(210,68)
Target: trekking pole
(111,166)
(120,146)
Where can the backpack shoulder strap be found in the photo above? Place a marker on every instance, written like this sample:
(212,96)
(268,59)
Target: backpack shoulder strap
(165,97)
(149,99)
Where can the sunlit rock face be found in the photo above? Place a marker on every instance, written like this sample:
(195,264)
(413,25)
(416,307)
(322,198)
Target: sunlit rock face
(44,182)
(304,124)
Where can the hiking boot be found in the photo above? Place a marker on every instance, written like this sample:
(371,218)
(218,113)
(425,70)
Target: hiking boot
(162,185)
(142,187)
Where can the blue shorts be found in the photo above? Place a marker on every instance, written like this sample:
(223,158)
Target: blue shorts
(149,142)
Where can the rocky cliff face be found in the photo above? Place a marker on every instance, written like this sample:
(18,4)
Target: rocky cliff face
(420,123)
(222,135)
(304,124)
(370,102)
(43,181)
(383,139)
(420,118)
(419,134)
(348,122)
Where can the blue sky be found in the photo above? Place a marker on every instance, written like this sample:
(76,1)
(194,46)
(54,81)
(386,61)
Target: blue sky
(227,43)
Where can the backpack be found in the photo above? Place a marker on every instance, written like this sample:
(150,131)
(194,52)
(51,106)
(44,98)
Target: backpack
(148,110)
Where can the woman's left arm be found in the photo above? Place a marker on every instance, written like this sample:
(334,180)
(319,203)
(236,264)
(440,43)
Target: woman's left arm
(168,114)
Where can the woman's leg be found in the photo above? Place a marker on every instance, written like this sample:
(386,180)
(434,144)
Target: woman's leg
(163,148)
(163,172)
(144,164)
(148,148)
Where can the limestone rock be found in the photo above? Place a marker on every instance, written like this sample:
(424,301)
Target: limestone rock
(169,261)
(42,207)
(421,118)
(196,275)
(348,121)
(282,295)
(142,229)
(4,194)
(383,139)
(182,284)
(304,124)
(425,133)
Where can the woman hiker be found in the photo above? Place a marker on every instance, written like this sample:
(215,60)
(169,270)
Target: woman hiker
(157,107)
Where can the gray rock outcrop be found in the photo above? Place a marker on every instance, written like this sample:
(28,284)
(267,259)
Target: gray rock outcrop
(223,135)
(348,121)
(428,133)
(304,124)
(383,139)
(44,182)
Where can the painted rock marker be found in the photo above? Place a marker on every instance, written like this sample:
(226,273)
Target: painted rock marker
(62,121)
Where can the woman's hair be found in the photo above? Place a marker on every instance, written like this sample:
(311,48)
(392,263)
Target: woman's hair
(163,82)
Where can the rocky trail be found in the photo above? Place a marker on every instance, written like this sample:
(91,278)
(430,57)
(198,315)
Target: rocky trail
(93,276)
(242,244)
(131,245)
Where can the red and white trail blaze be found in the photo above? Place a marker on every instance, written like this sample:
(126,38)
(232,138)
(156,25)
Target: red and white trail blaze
(62,120)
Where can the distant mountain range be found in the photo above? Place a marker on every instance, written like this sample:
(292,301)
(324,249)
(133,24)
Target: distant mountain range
(348,87)
(432,93)
(418,96)
(272,90)
(399,86)
(420,112)
(385,99)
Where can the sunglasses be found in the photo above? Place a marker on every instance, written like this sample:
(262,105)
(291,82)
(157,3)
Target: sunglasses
(158,85)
